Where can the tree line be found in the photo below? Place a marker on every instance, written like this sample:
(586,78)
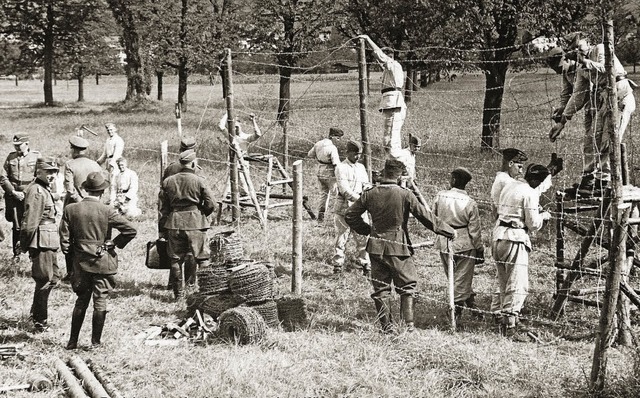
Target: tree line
(184,37)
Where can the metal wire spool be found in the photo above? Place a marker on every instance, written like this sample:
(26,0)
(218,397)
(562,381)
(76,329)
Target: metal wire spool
(216,304)
(212,280)
(242,325)
(269,312)
(292,312)
(272,273)
(253,283)
(225,248)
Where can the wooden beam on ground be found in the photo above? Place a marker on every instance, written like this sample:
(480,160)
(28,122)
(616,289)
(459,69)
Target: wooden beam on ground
(74,390)
(89,381)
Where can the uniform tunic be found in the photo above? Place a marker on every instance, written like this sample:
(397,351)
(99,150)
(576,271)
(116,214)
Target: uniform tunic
(112,151)
(39,236)
(351,179)
(389,246)
(392,104)
(457,209)
(76,171)
(326,153)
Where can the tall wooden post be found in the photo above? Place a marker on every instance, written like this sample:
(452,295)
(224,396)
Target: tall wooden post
(285,144)
(231,132)
(560,273)
(363,91)
(619,219)
(450,271)
(296,239)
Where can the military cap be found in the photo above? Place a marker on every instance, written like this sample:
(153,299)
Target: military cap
(393,168)
(335,132)
(187,156)
(78,142)
(413,140)
(515,155)
(462,173)
(20,138)
(187,143)
(47,163)
(571,40)
(536,171)
(95,182)
(354,146)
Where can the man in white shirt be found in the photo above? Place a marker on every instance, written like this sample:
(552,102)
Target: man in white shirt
(351,180)
(518,214)
(392,105)
(124,190)
(242,139)
(408,155)
(325,153)
(113,148)
(456,208)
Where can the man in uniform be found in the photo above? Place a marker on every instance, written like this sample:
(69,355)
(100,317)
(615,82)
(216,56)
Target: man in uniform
(76,171)
(352,179)
(392,105)
(185,204)
(175,166)
(39,237)
(325,153)
(85,230)
(124,192)
(389,245)
(17,173)
(518,214)
(456,208)
(408,155)
(113,148)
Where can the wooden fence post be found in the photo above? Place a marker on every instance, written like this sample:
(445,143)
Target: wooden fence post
(296,239)
(231,132)
(363,91)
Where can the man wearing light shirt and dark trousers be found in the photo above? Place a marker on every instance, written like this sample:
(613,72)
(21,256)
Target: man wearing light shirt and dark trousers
(518,215)
(326,153)
(351,178)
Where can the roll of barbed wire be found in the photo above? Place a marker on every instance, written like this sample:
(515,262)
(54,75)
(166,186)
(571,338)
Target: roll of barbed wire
(226,249)
(216,304)
(213,280)
(292,312)
(252,282)
(269,312)
(242,325)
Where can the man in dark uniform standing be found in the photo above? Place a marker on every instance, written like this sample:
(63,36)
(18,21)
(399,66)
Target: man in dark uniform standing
(175,167)
(76,171)
(39,236)
(185,203)
(17,173)
(389,245)
(84,230)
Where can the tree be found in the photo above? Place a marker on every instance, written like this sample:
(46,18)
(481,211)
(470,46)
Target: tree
(41,27)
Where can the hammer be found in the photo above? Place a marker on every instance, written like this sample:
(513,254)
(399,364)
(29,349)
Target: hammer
(83,127)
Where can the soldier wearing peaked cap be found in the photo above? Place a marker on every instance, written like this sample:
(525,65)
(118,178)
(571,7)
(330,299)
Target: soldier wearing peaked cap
(455,207)
(389,246)
(76,171)
(175,167)
(351,180)
(85,231)
(39,237)
(325,153)
(408,155)
(17,173)
(185,204)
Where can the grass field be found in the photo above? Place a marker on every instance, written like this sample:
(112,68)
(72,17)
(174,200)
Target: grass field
(341,353)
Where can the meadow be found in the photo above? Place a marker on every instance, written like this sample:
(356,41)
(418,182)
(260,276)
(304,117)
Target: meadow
(341,353)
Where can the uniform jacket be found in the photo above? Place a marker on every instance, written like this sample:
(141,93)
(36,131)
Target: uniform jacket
(457,209)
(18,171)
(185,202)
(408,159)
(518,206)
(38,229)
(175,168)
(327,156)
(76,171)
(84,228)
(389,206)
(351,179)
(113,148)
(392,83)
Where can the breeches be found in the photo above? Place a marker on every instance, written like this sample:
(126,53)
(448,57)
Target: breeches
(398,270)
(44,265)
(181,242)
(87,285)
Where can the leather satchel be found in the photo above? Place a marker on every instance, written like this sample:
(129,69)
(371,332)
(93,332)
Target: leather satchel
(157,256)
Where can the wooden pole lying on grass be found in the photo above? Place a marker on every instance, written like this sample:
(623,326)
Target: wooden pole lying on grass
(109,387)
(296,239)
(89,381)
(362,86)
(452,304)
(74,390)
(231,131)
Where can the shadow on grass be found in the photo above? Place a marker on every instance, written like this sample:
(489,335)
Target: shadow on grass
(128,288)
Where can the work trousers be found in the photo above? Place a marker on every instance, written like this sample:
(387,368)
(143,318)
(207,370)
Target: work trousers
(392,134)
(512,265)
(343,231)
(327,188)
(44,271)
(464,264)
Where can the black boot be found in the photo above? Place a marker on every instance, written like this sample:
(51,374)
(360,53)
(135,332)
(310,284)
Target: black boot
(406,311)
(76,324)
(459,306)
(97,324)
(383,313)
(473,308)
(178,288)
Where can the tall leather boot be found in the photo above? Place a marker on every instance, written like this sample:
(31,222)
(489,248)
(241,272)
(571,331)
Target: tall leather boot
(15,241)
(178,288)
(406,311)
(471,305)
(97,324)
(459,306)
(383,313)
(76,324)
(190,269)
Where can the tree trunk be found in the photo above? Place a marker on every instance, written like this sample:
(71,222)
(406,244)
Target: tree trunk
(80,83)
(495,77)
(16,80)
(284,102)
(48,55)
(97,79)
(183,75)
(159,76)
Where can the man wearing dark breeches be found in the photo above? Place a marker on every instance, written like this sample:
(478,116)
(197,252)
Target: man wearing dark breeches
(84,230)
(389,245)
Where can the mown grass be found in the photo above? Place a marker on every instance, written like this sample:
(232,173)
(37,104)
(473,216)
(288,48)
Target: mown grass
(341,353)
